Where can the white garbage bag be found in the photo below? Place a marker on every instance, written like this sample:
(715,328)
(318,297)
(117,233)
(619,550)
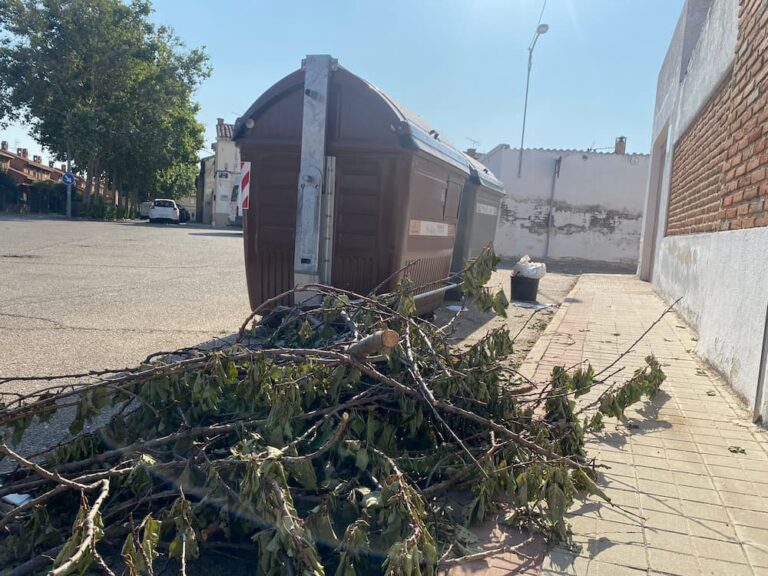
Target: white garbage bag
(528,269)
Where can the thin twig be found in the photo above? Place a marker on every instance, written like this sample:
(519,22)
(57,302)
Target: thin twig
(639,338)
(325,447)
(487,553)
(429,399)
(88,535)
(53,476)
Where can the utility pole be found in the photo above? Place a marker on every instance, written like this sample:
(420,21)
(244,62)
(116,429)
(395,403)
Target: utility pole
(69,185)
(540,29)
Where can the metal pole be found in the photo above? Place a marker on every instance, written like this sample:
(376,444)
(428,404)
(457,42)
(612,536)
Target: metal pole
(525,109)
(69,186)
(757,415)
(307,249)
(69,165)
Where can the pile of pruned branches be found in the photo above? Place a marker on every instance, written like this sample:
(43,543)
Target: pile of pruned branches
(333,438)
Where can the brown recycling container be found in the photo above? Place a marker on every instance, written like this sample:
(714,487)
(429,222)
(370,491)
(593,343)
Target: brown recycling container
(397,185)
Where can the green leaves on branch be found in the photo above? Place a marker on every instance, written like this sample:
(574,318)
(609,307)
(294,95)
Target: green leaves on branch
(184,544)
(474,280)
(138,553)
(644,383)
(314,461)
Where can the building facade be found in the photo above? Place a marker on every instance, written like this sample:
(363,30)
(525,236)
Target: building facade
(571,205)
(227,172)
(206,187)
(26,170)
(705,235)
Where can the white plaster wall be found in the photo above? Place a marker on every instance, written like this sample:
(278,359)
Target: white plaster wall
(723,279)
(722,276)
(228,163)
(669,79)
(709,63)
(596,207)
(684,87)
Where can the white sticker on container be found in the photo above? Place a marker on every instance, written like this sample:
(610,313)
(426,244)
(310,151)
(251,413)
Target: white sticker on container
(487,209)
(427,228)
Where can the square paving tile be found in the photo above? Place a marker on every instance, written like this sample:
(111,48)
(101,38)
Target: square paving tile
(702,508)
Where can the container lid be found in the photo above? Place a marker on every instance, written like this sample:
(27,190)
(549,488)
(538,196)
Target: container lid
(416,133)
(480,173)
(413,131)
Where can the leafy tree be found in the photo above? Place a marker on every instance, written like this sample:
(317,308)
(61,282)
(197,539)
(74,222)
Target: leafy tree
(97,80)
(48,196)
(178,180)
(166,133)
(9,191)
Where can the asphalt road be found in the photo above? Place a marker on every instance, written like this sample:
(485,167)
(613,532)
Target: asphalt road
(86,295)
(80,295)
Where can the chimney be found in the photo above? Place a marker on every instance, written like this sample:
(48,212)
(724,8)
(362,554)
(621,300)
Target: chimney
(63,167)
(19,151)
(50,163)
(4,146)
(24,153)
(219,121)
(621,145)
(38,159)
(472,152)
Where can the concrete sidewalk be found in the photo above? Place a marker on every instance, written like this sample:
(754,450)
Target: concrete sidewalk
(691,502)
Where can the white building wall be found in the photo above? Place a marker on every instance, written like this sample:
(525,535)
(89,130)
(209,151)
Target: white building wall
(722,277)
(596,201)
(723,280)
(226,175)
(209,188)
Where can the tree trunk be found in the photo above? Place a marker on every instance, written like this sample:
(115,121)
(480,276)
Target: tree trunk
(115,199)
(88,186)
(92,172)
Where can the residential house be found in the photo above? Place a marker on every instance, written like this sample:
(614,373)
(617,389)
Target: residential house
(705,235)
(25,171)
(226,172)
(579,207)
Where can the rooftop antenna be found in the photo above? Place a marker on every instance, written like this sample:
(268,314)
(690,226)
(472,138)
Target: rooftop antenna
(475,143)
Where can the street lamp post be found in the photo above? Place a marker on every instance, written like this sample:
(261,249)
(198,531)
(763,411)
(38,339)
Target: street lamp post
(540,29)
(69,185)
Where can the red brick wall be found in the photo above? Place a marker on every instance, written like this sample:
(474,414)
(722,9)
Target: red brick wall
(697,170)
(720,165)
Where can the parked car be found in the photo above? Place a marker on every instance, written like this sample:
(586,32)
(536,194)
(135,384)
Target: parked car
(144,210)
(164,210)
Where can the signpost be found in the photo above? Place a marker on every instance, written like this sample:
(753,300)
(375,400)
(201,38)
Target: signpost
(68,178)
(245,185)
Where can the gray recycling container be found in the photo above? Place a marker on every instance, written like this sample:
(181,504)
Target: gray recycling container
(478,213)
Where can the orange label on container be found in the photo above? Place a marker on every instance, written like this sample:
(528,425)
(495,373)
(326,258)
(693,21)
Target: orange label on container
(428,228)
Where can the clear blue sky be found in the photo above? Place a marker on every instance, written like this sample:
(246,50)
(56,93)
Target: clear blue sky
(458,63)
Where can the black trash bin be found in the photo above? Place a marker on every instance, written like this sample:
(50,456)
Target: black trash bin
(524,289)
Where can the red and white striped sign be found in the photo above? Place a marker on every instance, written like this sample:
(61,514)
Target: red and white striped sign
(245,184)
